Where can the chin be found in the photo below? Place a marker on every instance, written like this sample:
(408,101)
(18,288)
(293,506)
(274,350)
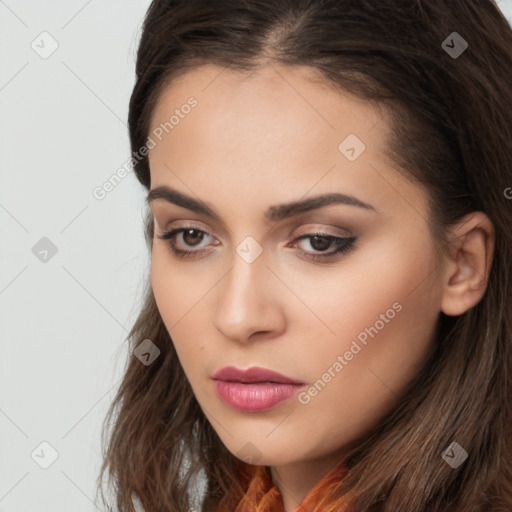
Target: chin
(265,454)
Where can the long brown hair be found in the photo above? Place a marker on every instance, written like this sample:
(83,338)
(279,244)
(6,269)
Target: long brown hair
(451,120)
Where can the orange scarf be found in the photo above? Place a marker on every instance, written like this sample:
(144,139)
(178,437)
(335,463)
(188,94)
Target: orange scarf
(263,496)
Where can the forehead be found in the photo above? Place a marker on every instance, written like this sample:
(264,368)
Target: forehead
(272,111)
(268,99)
(268,137)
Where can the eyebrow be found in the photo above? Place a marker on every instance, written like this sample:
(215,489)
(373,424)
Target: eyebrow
(274,213)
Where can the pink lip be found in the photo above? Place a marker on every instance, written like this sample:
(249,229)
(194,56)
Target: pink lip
(255,389)
(253,374)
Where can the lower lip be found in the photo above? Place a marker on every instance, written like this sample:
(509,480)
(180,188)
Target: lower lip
(255,397)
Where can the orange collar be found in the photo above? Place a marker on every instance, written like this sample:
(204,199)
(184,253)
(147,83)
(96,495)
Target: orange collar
(263,495)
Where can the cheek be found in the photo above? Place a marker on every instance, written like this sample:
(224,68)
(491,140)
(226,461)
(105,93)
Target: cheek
(173,296)
(390,288)
(164,287)
(383,310)
(180,298)
(176,292)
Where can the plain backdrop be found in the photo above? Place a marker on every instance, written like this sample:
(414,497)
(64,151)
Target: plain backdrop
(72,266)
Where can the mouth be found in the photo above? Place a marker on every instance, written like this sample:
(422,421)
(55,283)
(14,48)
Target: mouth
(255,389)
(255,374)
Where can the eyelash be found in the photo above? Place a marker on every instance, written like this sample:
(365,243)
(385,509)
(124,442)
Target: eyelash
(344,244)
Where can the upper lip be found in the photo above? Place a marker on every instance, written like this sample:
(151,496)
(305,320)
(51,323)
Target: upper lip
(253,374)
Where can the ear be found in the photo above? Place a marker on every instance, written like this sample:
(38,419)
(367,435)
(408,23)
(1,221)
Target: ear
(468,264)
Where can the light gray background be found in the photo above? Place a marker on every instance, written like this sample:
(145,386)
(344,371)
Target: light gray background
(63,321)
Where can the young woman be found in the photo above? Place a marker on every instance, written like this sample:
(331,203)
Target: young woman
(328,321)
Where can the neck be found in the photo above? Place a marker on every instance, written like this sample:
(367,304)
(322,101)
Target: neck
(297,479)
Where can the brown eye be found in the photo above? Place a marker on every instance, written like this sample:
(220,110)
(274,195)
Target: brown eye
(193,236)
(180,240)
(320,243)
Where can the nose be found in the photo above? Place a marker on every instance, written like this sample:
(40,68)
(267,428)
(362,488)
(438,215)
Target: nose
(249,302)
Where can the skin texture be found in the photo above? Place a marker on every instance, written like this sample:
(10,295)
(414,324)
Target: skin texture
(272,137)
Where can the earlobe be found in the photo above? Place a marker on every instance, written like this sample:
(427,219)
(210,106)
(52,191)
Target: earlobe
(468,263)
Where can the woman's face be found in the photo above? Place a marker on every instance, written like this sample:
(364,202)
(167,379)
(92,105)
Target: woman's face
(352,326)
